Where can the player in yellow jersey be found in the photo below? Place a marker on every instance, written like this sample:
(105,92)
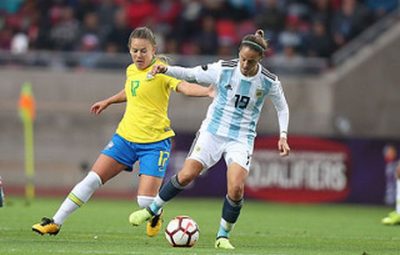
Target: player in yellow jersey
(142,135)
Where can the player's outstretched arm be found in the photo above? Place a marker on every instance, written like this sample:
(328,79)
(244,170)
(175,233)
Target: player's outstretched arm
(182,73)
(195,90)
(158,69)
(99,106)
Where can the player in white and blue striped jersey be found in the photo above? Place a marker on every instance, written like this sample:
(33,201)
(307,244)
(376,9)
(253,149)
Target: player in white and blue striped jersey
(229,130)
(239,99)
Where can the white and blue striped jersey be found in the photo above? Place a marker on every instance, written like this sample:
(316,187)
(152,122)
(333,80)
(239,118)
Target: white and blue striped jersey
(236,108)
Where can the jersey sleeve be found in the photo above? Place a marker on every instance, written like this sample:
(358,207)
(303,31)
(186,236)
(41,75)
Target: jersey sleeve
(204,74)
(278,99)
(171,82)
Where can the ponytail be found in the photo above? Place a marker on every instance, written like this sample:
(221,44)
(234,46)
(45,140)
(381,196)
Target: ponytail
(255,41)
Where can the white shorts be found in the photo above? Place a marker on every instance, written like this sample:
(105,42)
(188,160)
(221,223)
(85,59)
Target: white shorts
(208,149)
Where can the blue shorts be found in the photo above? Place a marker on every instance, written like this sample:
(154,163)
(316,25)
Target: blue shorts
(153,157)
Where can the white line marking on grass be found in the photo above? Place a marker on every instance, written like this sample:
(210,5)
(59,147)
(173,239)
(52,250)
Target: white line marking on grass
(59,251)
(95,252)
(251,253)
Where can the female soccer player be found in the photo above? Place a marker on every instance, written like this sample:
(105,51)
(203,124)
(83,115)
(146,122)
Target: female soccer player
(229,129)
(143,134)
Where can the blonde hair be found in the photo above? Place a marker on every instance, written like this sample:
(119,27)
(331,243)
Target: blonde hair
(255,41)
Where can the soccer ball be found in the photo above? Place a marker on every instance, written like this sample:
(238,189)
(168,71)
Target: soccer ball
(182,231)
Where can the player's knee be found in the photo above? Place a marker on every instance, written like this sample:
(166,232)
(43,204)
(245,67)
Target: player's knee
(185,177)
(235,192)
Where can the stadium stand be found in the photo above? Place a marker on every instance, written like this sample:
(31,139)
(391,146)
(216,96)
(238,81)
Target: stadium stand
(301,33)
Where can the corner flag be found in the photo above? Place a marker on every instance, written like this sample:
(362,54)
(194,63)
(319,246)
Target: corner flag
(27,112)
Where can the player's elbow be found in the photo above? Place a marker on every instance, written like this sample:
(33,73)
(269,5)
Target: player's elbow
(182,88)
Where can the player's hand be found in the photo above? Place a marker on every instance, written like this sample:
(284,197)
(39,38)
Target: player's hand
(158,69)
(98,107)
(283,147)
(211,91)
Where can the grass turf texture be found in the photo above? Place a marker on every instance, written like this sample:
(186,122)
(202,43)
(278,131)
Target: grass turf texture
(101,227)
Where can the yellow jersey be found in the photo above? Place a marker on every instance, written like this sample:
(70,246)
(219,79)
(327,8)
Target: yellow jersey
(146,115)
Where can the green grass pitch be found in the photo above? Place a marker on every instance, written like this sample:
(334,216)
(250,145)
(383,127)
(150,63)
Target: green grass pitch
(101,227)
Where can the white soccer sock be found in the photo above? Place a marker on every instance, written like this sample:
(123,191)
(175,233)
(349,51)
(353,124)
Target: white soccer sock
(144,201)
(79,195)
(157,205)
(224,228)
(398,196)
(226,225)
(158,201)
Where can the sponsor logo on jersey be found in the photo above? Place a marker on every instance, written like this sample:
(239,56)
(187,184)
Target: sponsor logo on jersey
(228,87)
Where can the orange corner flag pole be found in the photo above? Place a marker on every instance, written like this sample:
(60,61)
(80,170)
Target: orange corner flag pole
(27,112)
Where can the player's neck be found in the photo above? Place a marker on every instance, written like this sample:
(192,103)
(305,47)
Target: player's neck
(252,72)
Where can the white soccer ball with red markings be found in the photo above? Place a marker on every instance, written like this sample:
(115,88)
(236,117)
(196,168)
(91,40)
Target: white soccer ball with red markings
(182,231)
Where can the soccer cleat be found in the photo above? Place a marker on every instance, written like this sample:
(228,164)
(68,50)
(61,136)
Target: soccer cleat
(139,217)
(154,225)
(47,226)
(223,243)
(392,219)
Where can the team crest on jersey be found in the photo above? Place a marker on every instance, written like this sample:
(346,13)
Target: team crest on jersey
(197,149)
(259,93)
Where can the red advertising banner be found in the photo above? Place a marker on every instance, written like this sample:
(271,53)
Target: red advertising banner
(317,170)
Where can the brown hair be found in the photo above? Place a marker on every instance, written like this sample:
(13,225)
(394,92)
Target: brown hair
(256,42)
(142,33)
(146,33)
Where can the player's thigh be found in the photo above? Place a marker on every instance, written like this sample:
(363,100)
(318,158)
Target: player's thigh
(121,151)
(237,157)
(154,158)
(239,153)
(107,167)
(236,178)
(148,185)
(207,149)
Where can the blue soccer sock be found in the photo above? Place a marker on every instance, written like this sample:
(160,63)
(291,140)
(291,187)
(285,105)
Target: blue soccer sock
(222,231)
(167,192)
(230,214)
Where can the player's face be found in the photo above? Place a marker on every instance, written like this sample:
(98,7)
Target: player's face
(142,52)
(249,59)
